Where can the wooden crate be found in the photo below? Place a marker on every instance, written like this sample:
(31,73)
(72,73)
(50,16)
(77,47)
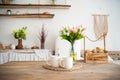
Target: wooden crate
(96,57)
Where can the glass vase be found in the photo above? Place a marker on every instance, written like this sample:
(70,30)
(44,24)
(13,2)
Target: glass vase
(72,53)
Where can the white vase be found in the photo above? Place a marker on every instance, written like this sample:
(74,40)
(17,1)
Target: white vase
(62,47)
(77,49)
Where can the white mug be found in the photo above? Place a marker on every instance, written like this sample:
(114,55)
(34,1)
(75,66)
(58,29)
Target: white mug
(54,61)
(67,62)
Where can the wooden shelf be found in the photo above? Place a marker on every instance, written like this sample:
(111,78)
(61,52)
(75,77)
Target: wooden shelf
(34,6)
(28,15)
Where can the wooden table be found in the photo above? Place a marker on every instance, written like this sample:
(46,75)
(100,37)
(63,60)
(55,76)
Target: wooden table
(35,71)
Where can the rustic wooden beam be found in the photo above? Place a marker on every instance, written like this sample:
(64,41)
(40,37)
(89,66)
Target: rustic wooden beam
(28,15)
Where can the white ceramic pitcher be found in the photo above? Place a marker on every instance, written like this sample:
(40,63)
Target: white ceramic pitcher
(54,61)
(67,62)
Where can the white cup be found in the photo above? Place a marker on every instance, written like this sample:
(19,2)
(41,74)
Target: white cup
(54,61)
(67,62)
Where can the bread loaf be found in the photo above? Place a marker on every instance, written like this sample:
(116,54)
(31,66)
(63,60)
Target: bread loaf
(35,47)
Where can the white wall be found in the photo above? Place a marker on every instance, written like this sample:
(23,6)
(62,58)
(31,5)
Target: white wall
(80,13)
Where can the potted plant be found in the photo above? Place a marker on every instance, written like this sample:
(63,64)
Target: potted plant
(20,34)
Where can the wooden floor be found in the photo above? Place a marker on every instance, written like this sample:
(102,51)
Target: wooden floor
(35,71)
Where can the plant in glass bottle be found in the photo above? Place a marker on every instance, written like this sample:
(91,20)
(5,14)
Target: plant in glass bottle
(53,1)
(72,34)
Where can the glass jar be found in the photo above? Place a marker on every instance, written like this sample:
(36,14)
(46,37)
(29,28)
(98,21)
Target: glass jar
(9,12)
(53,2)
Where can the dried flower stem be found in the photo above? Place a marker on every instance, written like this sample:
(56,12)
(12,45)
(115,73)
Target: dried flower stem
(43,35)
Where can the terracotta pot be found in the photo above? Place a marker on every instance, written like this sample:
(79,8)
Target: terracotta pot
(19,46)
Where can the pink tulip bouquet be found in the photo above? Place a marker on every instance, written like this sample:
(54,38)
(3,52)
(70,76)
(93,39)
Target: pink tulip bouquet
(72,34)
